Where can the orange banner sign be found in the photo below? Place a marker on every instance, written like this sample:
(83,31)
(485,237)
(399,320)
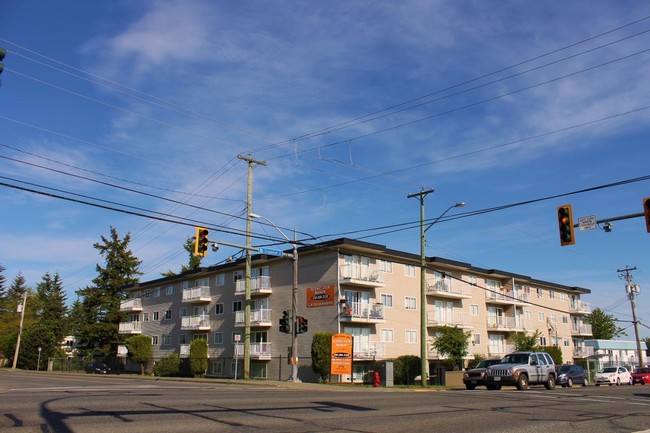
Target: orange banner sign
(321,296)
(341,359)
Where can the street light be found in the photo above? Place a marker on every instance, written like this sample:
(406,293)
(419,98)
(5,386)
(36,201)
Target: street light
(294,298)
(424,366)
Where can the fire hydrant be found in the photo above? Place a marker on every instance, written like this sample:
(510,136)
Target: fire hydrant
(376,380)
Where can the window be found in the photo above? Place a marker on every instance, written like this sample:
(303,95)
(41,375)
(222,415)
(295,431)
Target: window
(551,294)
(170,290)
(410,303)
(217,367)
(476,339)
(540,317)
(540,293)
(553,318)
(387,300)
(182,339)
(493,285)
(409,270)
(168,314)
(202,282)
(542,341)
(218,309)
(386,335)
(217,338)
(155,315)
(529,315)
(147,294)
(221,279)
(565,318)
(473,309)
(411,336)
(471,279)
(136,295)
(566,342)
(385,266)
(166,339)
(154,340)
(237,275)
(156,292)
(145,317)
(236,306)
(182,312)
(185,285)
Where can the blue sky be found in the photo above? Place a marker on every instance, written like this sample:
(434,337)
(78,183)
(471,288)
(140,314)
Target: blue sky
(352,105)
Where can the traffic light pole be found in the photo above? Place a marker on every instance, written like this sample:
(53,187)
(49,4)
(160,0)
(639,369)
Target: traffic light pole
(626,275)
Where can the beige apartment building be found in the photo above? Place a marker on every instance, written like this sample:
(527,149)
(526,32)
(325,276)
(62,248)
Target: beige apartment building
(354,287)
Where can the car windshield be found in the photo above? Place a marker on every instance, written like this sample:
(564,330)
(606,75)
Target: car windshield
(564,368)
(608,370)
(486,363)
(516,358)
(642,370)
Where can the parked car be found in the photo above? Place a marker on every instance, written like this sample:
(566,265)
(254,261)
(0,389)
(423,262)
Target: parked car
(569,374)
(98,368)
(613,376)
(521,369)
(476,376)
(641,375)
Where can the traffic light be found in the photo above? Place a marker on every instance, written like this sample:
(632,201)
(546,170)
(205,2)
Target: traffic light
(201,242)
(565,221)
(285,325)
(303,325)
(3,53)
(646,212)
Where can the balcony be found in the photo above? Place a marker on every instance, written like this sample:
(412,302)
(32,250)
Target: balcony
(199,294)
(130,328)
(360,312)
(506,297)
(501,324)
(583,352)
(131,305)
(500,349)
(361,276)
(259,351)
(580,329)
(434,319)
(258,318)
(259,286)
(445,289)
(363,350)
(195,323)
(579,307)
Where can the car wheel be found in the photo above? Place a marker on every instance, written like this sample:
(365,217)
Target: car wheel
(522,382)
(550,383)
(469,386)
(569,382)
(631,381)
(598,384)
(618,381)
(585,382)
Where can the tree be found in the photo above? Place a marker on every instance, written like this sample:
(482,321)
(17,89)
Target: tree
(168,365)
(523,342)
(3,292)
(194,260)
(101,302)
(321,349)
(199,357)
(406,368)
(452,342)
(140,350)
(10,324)
(36,335)
(51,300)
(603,325)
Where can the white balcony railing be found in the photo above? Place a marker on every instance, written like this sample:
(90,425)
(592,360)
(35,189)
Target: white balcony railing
(511,323)
(581,329)
(580,307)
(258,317)
(446,288)
(258,350)
(201,293)
(258,285)
(364,349)
(191,323)
(131,305)
(130,328)
(361,275)
(362,310)
(454,319)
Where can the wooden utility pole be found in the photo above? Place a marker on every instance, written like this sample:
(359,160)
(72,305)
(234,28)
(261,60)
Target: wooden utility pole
(631,289)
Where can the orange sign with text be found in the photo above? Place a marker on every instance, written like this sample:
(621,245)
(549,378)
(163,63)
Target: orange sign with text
(321,296)
(341,358)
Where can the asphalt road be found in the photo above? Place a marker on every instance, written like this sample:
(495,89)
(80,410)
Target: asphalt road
(42,402)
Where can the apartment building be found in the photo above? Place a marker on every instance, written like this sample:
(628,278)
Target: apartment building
(359,288)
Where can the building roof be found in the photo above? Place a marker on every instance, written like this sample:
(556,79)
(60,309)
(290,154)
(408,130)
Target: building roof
(611,344)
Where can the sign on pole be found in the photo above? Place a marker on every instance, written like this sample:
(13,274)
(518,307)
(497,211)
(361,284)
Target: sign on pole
(587,223)
(271,252)
(341,354)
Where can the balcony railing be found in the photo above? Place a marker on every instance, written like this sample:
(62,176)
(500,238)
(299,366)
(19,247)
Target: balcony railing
(500,349)
(197,294)
(454,319)
(131,305)
(258,317)
(509,297)
(258,350)
(195,323)
(581,329)
(364,349)
(447,289)
(580,307)
(583,352)
(509,323)
(361,276)
(130,328)
(259,285)
(362,311)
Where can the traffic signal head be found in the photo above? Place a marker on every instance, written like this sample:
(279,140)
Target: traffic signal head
(3,53)
(285,326)
(646,212)
(201,242)
(565,222)
(303,325)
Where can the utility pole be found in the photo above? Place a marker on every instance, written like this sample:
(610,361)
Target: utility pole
(424,376)
(247,298)
(20,329)
(626,274)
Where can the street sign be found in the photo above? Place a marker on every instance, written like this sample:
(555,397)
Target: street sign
(587,223)
(270,252)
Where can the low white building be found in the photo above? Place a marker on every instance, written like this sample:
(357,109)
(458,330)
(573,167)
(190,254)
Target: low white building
(614,352)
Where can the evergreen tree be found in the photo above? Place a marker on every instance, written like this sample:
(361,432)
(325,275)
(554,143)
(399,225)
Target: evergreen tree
(140,350)
(100,309)
(10,323)
(51,299)
(194,260)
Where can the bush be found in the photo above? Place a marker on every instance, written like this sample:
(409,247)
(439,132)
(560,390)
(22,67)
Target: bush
(167,366)
(405,369)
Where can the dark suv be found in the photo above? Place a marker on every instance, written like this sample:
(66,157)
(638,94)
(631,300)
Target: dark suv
(522,369)
(476,376)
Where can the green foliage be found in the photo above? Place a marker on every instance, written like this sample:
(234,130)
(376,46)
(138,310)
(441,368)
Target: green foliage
(34,336)
(405,369)
(321,349)
(603,325)
(167,366)
(452,342)
(140,350)
(554,351)
(523,342)
(199,357)
(51,301)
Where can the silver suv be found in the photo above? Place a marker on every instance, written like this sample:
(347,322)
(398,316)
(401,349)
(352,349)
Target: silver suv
(522,369)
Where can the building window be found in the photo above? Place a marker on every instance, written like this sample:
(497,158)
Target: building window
(156,292)
(387,300)
(185,285)
(540,293)
(221,279)
(155,315)
(217,367)
(168,314)
(166,339)
(566,342)
(410,303)
(472,279)
(386,335)
(476,339)
(474,309)
(385,266)
(182,339)
(147,294)
(182,312)
(202,282)
(542,341)
(145,317)
(237,275)
(409,270)
(154,340)
(236,306)
(551,294)
(136,295)
(529,315)
(218,309)
(553,318)
(217,338)
(170,290)
(540,317)
(565,319)
(411,336)
(493,285)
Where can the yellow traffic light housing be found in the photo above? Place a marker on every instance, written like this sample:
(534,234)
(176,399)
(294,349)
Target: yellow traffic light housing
(646,213)
(565,222)
(201,242)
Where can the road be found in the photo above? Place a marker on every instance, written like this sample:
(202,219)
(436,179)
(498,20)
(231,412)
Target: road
(43,402)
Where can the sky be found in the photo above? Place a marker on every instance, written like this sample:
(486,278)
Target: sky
(132,115)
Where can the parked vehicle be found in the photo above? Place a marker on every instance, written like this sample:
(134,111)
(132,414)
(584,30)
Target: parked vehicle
(476,376)
(521,369)
(98,368)
(569,374)
(613,376)
(641,375)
